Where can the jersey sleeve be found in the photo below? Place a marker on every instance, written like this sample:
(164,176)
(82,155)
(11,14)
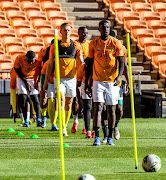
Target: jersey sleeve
(17,63)
(125,53)
(119,48)
(52,52)
(78,48)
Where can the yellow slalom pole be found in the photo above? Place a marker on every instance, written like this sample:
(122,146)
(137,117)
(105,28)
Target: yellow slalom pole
(59,104)
(132,100)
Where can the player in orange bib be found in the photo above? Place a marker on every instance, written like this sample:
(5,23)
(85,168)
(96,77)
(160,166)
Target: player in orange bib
(24,66)
(106,58)
(70,58)
(83,34)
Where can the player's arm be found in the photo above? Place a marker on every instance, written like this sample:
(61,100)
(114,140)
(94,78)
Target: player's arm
(48,73)
(126,74)
(78,94)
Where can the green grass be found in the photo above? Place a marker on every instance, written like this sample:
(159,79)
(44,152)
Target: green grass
(24,158)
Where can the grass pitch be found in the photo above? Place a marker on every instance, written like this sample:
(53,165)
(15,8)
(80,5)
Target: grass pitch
(24,158)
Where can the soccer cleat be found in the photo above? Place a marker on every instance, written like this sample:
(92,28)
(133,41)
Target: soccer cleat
(38,123)
(97,141)
(25,125)
(84,131)
(88,134)
(30,122)
(44,119)
(104,140)
(110,142)
(74,128)
(93,134)
(65,132)
(54,128)
(116,133)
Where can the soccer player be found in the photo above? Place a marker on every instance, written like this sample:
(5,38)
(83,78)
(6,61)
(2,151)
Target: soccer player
(42,58)
(24,66)
(106,58)
(51,97)
(82,40)
(70,58)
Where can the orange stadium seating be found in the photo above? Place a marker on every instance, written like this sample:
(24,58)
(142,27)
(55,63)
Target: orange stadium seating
(49,6)
(162,66)
(38,24)
(5,58)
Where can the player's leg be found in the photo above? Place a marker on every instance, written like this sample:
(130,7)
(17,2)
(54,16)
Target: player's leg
(28,111)
(52,107)
(104,123)
(34,113)
(87,105)
(68,106)
(75,110)
(43,108)
(13,102)
(119,114)
(112,94)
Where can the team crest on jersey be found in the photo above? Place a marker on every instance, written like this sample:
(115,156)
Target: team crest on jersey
(98,49)
(111,48)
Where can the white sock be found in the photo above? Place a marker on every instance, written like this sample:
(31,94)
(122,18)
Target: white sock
(83,124)
(21,116)
(28,116)
(75,117)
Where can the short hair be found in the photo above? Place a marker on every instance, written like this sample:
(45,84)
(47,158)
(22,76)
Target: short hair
(82,27)
(30,55)
(64,25)
(103,21)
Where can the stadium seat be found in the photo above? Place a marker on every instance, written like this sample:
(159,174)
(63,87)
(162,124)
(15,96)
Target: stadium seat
(112,5)
(12,41)
(136,24)
(162,66)
(30,6)
(57,23)
(141,5)
(147,16)
(38,24)
(31,15)
(4,24)
(140,33)
(16,15)
(14,51)
(9,6)
(154,2)
(36,49)
(145,40)
(57,15)
(141,8)
(163,40)
(50,6)
(128,23)
(25,1)
(2,15)
(148,49)
(41,1)
(160,8)
(5,58)
(2,50)
(47,40)
(156,57)
(33,41)
(160,32)
(5,32)
(136,1)
(6,66)
(26,32)
(156,24)
(17,24)
(46,32)
(120,9)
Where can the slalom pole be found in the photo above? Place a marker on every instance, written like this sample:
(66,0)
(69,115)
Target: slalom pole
(132,100)
(59,104)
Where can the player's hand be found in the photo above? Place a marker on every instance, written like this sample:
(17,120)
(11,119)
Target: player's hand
(117,81)
(36,85)
(28,86)
(86,88)
(127,90)
(89,92)
(45,86)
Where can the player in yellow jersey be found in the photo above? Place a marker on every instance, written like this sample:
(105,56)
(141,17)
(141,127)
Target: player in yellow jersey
(24,66)
(83,34)
(106,58)
(70,58)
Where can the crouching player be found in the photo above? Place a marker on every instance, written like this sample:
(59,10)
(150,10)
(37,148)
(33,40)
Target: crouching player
(24,66)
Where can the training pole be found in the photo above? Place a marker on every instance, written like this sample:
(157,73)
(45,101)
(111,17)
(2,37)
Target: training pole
(132,100)
(59,104)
